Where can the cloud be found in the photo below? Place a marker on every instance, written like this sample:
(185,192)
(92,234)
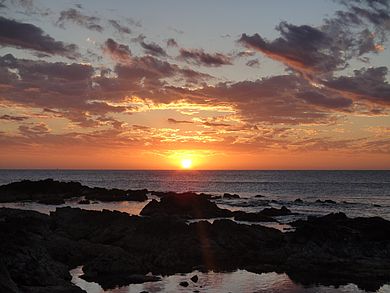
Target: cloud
(253,63)
(28,36)
(362,28)
(199,57)
(75,16)
(172,43)
(60,87)
(174,121)
(34,129)
(118,52)
(153,49)
(119,28)
(368,84)
(319,99)
(13,118)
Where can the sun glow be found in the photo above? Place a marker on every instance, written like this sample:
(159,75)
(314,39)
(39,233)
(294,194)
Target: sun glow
(186,163)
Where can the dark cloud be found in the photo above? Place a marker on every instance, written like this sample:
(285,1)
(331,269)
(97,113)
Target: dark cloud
(303,48)
(120,28)
(172,43)
(13,118)
(153,49)
(174,121)
(253,63)
(319,99)
(199,57)
(367,84)
(75,16)
(28,36)
(118,52)
(65,89)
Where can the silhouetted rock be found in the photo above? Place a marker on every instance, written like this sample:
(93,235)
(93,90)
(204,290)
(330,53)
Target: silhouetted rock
(298,200)
(37,251)
(273,212)
(259,196)
(187,205)
(328,201)
(54,192)
(52,200)
(194,279)
(230,196)
(252,217)
(184,284)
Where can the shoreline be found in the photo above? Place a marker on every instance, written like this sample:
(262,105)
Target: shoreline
(170,236)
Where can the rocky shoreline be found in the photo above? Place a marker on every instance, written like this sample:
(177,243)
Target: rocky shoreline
(37,251)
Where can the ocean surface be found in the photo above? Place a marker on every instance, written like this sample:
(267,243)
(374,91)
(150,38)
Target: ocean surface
(356,193)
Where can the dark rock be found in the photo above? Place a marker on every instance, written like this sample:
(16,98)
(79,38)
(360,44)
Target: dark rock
(36,190)
(252,217)
(194,278)
(186,205)
(50,191)
(230,196)
(273,212)
(328,201)
(298,200)
(259,196)
(184,284)
(37,251)
(52,200)
(107,195)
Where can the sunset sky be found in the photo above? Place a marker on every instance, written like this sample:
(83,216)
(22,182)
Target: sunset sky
(223,84)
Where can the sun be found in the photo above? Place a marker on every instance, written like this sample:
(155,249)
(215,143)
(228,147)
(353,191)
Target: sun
(186,163)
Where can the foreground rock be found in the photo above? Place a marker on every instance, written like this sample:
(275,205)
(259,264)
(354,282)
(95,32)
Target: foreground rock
(37,250)
(54,192)
(187,205)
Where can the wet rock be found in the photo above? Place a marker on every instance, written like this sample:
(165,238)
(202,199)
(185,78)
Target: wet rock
(327,201)
(230,196)
(252,217)
(259,196)
(184,284)
(52,200)
(273,212)
(298,200)
(107,195)
(194,278)
(36,190)
(54,192)
(185,205)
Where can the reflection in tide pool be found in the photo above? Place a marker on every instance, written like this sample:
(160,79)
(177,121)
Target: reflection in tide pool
(238,281)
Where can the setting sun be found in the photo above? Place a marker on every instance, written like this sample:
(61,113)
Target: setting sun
(186,163)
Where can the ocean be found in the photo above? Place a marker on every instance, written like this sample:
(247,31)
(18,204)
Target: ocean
(356,193)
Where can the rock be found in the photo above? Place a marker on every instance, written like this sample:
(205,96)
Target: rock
(52,200)
(230,196)
(54,192)
(273,212)
(252,217)
(194,278)
(84,201)
(107,195)
(259,196)
(184,284)
(328,201)
(185,205)
(298,200)
(116,249)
